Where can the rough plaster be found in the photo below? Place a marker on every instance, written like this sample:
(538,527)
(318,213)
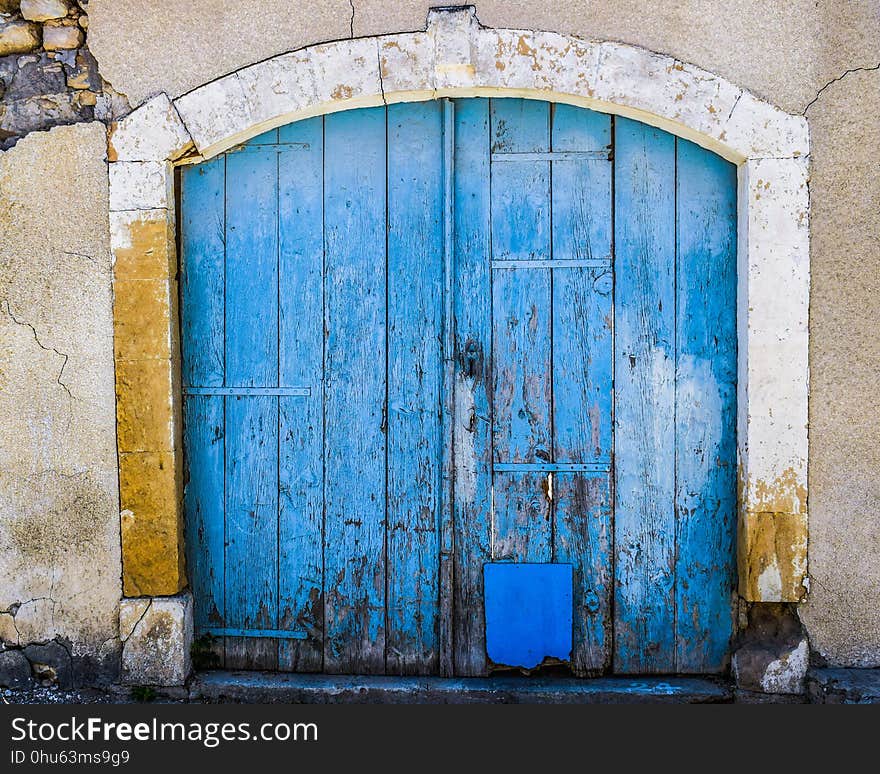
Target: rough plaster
(783,52)
(59,519)
(842,615)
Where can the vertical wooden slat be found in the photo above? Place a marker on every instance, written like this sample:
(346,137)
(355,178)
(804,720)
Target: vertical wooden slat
(355,385)
(446,580)
(203,241)
(251,422)
(300,448)
(644,320)
(521,319)
(582,368)
(415,309)
(202,322)
(705,439)
(471,435)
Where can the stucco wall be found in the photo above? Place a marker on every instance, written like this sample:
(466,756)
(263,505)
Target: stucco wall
(59,513)
(784,52)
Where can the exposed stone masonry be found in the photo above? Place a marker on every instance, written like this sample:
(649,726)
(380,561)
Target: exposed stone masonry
(48,77)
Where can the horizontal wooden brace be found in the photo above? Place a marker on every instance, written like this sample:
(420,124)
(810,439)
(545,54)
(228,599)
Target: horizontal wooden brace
(555,263)
(554,156)
(296,392)
(552,467)
(281,634)
(278,147)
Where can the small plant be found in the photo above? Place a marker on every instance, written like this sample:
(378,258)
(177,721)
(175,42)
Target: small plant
(143,693)
(204,653)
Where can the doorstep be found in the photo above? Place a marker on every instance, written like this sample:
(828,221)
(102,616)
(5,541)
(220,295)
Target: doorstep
(290,688)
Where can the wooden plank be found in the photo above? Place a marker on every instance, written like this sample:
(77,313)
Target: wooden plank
(472,441)
(355,391)
(202,277)
(521,341)
(582,375)
(415,313)
(251,422)
(583,538)
(204,438)
(446,579)
(705,441)
(644,322)
(300,362)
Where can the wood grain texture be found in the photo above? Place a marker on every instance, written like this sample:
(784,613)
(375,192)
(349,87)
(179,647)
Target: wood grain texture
(472,424)
(202,273)
(705,409)
(582,376)
(355,391)
(415,311)
(644,368)
(251,422)
(300,364)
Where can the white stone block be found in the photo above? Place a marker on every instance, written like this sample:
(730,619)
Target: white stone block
(346,71)
(759,130)
(278,88)
(156,635)
(153,132)
(139,185)
(216,112)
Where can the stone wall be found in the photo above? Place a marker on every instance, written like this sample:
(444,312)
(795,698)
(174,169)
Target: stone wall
(48,76)
(59,511)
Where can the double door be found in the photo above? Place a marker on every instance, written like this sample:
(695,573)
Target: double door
(459,383)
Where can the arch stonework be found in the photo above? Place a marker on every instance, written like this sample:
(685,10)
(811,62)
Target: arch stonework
(456,57)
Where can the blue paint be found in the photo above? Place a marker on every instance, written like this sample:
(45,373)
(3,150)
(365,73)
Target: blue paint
(400,331)
(528,613)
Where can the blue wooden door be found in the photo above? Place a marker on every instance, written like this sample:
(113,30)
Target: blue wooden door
(423,341)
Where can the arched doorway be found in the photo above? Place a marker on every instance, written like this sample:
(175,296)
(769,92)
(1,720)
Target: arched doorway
(459,387)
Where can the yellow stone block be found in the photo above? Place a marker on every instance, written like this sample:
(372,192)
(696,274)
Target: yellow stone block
(142,318)
(152,544)
(143,245)
(773,556)
(144,405)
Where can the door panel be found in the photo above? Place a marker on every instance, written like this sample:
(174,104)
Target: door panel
(560,281)
(355,392)
(300,417)
(415,308)
(472,421)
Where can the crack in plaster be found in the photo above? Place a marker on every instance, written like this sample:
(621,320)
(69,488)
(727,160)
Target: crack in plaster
(42,346)
(835,80)
(137,623)
(351,21)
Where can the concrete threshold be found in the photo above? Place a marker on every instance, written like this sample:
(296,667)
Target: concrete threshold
(289,688)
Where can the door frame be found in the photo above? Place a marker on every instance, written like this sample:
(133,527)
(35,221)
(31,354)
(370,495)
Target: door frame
(456,57)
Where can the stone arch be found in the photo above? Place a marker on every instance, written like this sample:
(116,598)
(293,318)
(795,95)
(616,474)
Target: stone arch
(455,56)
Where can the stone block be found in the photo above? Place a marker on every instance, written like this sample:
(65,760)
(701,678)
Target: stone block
(15,669)
(19,38)
(62,38)
(44,10)
(152,559)
(773,652)
(157,635)
(144,402)
(152,132)
(139,185)
(51,664)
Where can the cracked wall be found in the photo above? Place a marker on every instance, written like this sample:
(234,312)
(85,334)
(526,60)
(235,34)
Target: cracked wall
(59,522)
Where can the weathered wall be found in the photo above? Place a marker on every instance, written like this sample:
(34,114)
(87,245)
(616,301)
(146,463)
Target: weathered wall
(842,614)
(784,52)
(59,517)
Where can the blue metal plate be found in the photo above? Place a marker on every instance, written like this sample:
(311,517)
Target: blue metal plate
(528,613)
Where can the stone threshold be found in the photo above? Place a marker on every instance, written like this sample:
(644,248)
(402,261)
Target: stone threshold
(290,688)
